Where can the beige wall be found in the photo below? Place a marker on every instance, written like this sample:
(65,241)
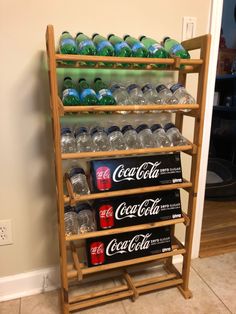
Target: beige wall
(27,191)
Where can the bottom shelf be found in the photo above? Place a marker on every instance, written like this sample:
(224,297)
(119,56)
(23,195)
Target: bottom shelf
(129,286)
(78,270)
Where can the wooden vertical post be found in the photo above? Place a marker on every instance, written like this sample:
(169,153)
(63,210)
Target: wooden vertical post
(58,165)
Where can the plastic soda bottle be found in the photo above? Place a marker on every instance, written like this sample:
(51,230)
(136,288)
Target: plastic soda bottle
(87,94)
(104,94)
(174,48)
(70,95)
(67,44)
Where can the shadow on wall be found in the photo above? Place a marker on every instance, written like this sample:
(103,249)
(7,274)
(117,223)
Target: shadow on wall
(37,163)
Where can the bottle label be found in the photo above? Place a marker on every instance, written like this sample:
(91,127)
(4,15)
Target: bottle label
(68,41)
(176,48)
(131,87)
(69,92)
(146,88)
(102,44)
(161,88)
(115,87)
(175,87)
(154,48)
(103,92)
(120,45)
(86,92)
(85,43)
(137,46)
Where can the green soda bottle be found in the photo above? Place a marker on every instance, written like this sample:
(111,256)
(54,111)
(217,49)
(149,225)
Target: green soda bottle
(70,95)
(104,94)
(138,49)
(67,44)
(87,94)
(104,47)
(122,49)
(174,48)
(155,49)
(85,46)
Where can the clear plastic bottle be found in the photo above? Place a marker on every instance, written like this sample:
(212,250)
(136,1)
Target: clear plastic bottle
(67,44)
(174,135)
(86,221)
(68,144)
(100,139)
(131,137)
(87,94)
(181,94)
(84,141)
(78,180)
(145,136)
(121,95)
(136,96)
(116,138)
(151,96)
(70,220)
(70,95)
(166,95)
(160,136)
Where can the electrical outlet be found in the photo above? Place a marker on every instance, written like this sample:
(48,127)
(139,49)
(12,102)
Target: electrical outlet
(5,232)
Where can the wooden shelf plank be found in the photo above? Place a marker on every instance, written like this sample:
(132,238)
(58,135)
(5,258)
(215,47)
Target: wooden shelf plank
(101,233)
(119,153)
(93,196)
(131,60)
(176,250)
(114,108)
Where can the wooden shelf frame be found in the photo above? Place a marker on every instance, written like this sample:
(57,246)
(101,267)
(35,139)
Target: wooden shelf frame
(77,271)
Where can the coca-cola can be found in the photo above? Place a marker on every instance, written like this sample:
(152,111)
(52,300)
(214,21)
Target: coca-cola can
(103,176)
(97,254)
(106,216)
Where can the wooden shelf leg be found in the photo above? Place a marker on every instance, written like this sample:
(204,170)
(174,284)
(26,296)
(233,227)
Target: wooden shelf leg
(76,260)
(131,285)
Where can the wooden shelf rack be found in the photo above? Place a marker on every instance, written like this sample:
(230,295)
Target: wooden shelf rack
(73,271)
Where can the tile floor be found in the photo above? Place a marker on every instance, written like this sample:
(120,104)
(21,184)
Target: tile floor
(212,281)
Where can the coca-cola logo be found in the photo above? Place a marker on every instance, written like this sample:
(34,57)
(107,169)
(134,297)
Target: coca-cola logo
(147,170)
(103,173)
(106,211)
(137,243)
(96,250)
(148,207)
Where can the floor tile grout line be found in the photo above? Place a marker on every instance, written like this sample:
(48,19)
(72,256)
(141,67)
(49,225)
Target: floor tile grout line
(210,288)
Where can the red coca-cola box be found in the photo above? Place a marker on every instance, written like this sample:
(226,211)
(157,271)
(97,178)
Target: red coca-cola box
(133,172)
(129,245)
(117,212)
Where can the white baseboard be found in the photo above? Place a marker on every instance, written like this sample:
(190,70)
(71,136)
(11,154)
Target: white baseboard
(35,282)
(25,284)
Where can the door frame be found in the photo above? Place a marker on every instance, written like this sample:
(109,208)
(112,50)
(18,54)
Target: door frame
(214,26)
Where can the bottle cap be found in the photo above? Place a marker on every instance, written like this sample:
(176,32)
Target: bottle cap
(94,35)
(96,79)
(165,38)
(69,208)
(126,128)
(113,128)
(141,127)
(141,37)
(97,129)
(125,36)
(65,131)
(155,127)
(82,79)
(80,131)
(65,32)
(82,206)
(169,126)
(67,78)
(79,33)
(75,171)
(110,35)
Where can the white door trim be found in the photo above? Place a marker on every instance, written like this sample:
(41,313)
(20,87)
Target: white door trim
(214,30)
